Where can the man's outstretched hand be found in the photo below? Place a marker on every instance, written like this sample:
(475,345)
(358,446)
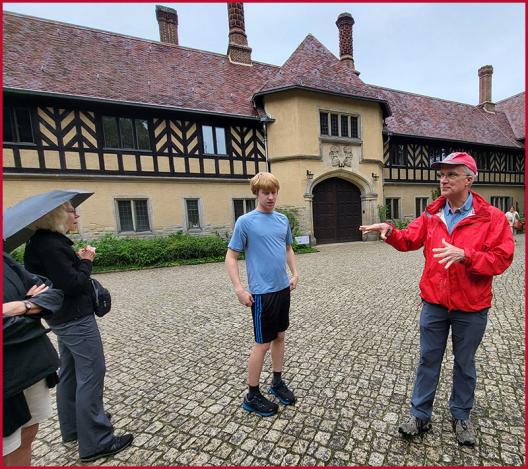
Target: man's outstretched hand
(382,228)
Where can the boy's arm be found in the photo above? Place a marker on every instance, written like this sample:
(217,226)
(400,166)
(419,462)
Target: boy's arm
(290,260)
(231,263)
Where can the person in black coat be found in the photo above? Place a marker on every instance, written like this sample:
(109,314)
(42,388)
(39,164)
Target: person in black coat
(80,405)
(30,360)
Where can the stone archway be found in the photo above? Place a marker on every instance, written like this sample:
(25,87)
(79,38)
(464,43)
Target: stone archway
(337,212)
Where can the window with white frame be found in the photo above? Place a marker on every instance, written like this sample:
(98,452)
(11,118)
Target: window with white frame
(421,203)
(336,124)
(214,140)
(501,202)
(393,208)
(193,214)
(242,206)
(133,215)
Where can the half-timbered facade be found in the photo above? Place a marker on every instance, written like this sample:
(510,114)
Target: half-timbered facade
(168,136)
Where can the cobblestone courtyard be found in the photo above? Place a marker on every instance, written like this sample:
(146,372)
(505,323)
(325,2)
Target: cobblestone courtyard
(177,341)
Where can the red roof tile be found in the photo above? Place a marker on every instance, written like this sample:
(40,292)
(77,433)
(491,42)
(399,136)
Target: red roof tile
(51,57)
(514,107)
(54,57)
(423,116)
(313,66)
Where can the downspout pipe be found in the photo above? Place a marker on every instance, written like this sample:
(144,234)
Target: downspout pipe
(265,127)
(265,120)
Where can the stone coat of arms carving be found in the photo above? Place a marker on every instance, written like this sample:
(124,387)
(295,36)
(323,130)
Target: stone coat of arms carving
(340,156)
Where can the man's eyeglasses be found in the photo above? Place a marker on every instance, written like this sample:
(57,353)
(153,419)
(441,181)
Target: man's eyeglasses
(451,175)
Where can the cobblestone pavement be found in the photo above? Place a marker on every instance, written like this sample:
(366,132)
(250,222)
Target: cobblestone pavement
(177,342)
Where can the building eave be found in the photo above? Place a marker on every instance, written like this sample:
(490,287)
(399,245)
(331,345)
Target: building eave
(144,105)
(439,139)
(384,104)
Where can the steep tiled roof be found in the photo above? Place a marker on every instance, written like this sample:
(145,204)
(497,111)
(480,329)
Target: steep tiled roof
(313,66)
(514,108)
(423,116)
(52,57)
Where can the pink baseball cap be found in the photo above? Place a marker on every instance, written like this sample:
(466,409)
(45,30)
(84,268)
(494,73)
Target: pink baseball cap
(458,157)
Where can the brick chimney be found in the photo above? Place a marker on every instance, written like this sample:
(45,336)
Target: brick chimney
(168,24)
(344,24)
(238,50)
(485,101)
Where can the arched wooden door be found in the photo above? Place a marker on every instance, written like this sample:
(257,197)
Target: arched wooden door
(336,211)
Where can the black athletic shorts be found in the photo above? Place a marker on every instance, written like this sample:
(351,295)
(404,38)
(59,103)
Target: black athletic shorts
(271,315)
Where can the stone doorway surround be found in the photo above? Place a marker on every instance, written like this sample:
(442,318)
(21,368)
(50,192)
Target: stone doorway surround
(369,197)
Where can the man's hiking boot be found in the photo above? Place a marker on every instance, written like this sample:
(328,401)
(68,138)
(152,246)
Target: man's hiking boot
(464,431)
(414,426)
(119,443)
(260,405)
(282,393)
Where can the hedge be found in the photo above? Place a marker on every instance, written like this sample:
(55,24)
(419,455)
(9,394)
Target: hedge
(115,253)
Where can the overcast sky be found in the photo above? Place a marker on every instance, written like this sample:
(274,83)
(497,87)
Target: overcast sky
(431,49)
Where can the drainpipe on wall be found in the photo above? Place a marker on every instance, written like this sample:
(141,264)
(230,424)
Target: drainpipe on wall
(264,120)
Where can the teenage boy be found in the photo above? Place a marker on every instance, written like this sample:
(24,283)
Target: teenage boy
(265,237)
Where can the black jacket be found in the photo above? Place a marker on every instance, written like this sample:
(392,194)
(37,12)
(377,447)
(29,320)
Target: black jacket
(29,356)
(51,254)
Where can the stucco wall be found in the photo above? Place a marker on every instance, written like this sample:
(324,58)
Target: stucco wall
(296,127)
(166,201)
(296,148)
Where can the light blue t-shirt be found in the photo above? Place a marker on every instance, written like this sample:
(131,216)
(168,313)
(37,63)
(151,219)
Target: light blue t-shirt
(263,237)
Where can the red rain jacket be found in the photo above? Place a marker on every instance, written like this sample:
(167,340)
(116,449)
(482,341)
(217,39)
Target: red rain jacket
(488,244)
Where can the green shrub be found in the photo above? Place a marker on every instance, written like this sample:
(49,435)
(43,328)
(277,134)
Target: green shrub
(148,252)
(382,212)
(115,253)
(291,214)
(402,223)
(18,254)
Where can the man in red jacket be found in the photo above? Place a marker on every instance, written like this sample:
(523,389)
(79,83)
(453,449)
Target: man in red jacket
(466,241)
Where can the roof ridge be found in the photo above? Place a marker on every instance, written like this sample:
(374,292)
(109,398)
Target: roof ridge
(327,49)
(309,35)
(510,97)
(423,95)
(516,142)
(113,33)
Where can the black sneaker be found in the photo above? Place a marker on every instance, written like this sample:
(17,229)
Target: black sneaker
(464,432)
(282,393)
(260,405)
(118,444)
(414,426)
(73,436)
